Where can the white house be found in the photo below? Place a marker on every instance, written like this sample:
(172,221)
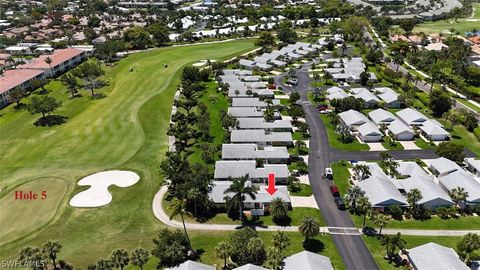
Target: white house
(443,166)
(433,196)
(473,165)
(353,119)
(464,180)
(433,131)
(368,132)
(411,117)
(381,117)
(400,131)
(433,256)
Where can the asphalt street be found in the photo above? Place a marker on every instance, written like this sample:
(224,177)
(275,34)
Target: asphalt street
(353,250)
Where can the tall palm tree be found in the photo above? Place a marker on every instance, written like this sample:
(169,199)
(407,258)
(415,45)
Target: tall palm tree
(398,60)
(309,228)
(120,258)
(240,189)
(49,61)
(178,207)
(364,205)
(223,250)
(413,196)
(194,194)
(140,257)
(352,196)
(103,264)
(381,221)
(52,248)
(278,209)
(458,194)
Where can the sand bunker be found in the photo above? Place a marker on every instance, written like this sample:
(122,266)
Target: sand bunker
(98,195)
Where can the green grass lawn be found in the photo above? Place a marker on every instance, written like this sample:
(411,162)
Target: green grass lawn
(341,175)
(395,146)
(296,215)
(378,251)
(299,136)
(305,190)
(423,144)
(23,210)
(208,240)
(124,130)
(435,27)
(336,143)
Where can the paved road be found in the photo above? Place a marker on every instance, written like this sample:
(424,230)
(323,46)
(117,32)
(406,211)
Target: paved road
(351,247)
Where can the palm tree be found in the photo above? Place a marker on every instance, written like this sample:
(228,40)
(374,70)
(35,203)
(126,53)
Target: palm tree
(362,171)
(278,209)
(381,221)
(119,258)
(103,264)
(194,194)
(241,188)
(224,250)
(352,196)
(52,248)
(364,205)
(140,257)
(309,228)
(413,196)
(458,194)
(49,61)
(178,207)
(398,60)
(11,61)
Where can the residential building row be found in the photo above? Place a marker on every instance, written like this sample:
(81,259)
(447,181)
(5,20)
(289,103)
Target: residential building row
(372,98)
(404,125)
(22,76)
(440,176)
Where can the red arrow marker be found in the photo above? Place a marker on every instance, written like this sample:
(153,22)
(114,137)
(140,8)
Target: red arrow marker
(271,189)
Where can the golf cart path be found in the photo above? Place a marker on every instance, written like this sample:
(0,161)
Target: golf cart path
(160,214)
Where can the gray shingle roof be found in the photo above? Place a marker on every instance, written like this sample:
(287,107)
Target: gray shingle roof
(217,193)
(307,260)
(433,256)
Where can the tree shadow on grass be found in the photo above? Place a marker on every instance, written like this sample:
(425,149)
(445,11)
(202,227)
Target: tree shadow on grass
(50,120)
(456,137)
(283,222)
(313,245)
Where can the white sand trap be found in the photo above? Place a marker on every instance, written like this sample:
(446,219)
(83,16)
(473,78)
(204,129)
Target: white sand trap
(98,195)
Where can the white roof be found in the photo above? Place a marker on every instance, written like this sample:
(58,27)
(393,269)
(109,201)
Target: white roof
(191,265)
(250,267)
(381,116)
(258,135)
(381,191)
(369,129)
(410,168)
(475,163)
(411,116)
(443,165)
(240,168)
(364,94)
(217,193)
(432,128)
(463,180)
(251,102)
(352,117)
(307,260)
(245,112)
(259,123)
(433,256)
(397,127)
(250,151)
(429,189)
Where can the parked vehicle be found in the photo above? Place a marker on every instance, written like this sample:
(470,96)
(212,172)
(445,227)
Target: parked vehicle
(322,107)
(328,174)
(334,190)
(326,111)
(339,202)
(292,81)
